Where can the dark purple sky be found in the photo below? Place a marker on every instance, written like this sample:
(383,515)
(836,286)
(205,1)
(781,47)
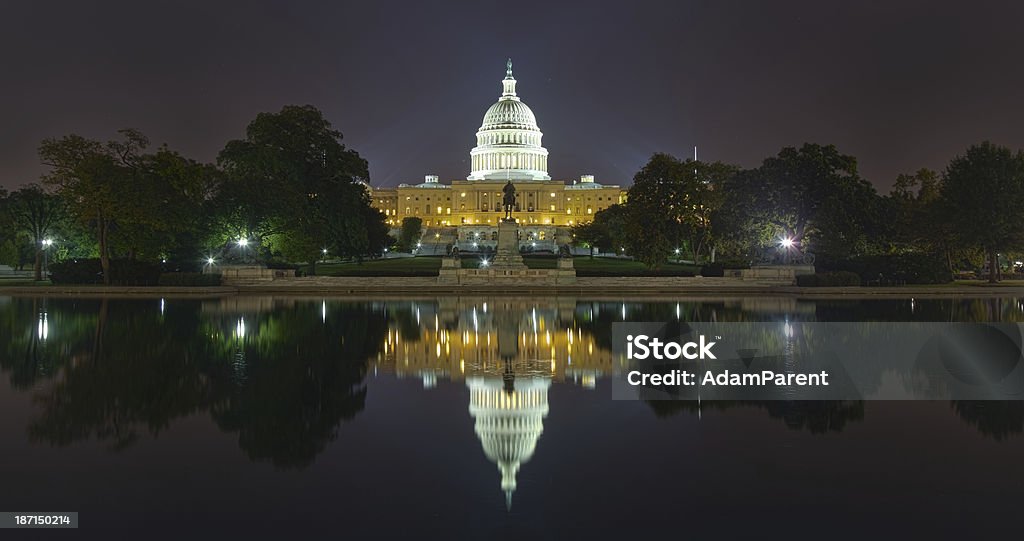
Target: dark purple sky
(900,85)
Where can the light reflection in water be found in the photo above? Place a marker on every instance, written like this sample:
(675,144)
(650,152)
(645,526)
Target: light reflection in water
(44,326)
(508,372)
(266,369)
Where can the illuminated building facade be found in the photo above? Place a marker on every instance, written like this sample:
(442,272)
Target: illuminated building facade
(509,148)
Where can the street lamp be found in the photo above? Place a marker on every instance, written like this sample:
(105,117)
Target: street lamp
(46,244)
(243,242)
(786,242)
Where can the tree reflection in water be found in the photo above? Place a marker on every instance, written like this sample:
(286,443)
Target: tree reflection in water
(284,374)
(119,370)
(814,416)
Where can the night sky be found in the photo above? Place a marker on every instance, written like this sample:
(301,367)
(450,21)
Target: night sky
(899,86)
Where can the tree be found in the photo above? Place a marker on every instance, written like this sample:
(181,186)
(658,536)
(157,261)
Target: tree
(671,204)
(93,178)
(412,230)
(605,232)
(812,197)
(162,213)
(984,191)
(138,205)
(36,213)
(292,179)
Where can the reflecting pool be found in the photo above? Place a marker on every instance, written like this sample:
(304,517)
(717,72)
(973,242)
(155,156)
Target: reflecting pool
(466,417)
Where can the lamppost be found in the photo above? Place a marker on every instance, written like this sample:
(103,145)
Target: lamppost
(46,245)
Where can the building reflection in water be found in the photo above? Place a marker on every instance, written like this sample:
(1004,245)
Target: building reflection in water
(508,351)
(509,419)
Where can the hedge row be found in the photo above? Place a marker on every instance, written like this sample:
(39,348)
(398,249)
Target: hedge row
(894,269)
(126,272)
(828,279)
(123,272)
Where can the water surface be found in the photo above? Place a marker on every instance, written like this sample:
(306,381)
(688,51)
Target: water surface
(466,417)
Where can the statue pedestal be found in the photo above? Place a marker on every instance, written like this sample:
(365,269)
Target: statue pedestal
(507,267)
(506,255)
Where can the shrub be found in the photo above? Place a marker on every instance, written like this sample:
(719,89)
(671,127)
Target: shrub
(127,272)
(828,279)
(281,265)
(189,279)
(76,271)
(123,272)
(712,270)
(911,268)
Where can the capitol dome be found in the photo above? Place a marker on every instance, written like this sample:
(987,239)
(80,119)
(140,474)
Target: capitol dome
(510,114)
(508,143)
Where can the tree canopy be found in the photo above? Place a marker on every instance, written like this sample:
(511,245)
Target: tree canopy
(984,192)
(292,185)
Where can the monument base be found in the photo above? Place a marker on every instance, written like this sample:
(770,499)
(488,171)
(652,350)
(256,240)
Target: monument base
(507,267)
(506,255)
(232,275)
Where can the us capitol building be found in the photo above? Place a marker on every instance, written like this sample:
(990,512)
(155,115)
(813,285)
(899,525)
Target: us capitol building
(465,213)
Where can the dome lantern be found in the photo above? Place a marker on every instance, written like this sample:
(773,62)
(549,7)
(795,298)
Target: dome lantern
(508,83)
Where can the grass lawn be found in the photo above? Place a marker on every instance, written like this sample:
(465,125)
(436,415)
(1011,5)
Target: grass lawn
(20,281)
(606,266)
(429,266)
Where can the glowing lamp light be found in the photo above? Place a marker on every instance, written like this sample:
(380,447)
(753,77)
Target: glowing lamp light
(210,261)
(243,242)
(484,263)
(324,251)
(47,242)
(677,251)
(786,242)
